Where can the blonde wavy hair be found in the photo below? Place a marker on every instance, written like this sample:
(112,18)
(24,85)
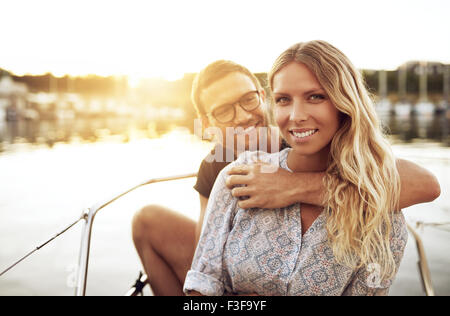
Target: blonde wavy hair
(363,185)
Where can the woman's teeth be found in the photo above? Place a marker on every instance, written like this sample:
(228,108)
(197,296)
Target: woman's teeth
(304,134)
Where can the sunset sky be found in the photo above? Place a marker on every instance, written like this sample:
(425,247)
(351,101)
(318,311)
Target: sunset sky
(168,38)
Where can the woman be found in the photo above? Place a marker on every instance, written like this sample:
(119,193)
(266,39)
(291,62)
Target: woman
(354,245)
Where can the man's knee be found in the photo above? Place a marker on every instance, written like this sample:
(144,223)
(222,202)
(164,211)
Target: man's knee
(146,222)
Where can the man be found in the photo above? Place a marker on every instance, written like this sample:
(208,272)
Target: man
(226,95)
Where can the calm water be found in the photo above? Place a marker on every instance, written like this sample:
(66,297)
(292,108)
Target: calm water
(50,172)
(405,128)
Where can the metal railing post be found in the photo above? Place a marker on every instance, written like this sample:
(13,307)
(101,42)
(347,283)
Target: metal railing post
(422,263)
(83,260)
(89,216)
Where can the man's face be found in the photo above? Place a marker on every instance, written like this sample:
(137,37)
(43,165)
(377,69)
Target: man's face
(228,91)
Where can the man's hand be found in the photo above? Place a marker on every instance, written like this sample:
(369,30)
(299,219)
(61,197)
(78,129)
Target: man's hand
(267,186)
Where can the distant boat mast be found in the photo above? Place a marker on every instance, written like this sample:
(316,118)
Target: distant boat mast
(53,84)
(423,95)
(382,85)
(446,86)
(402,72)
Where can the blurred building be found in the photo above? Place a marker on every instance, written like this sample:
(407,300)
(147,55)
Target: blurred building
(13,98)
(416,67)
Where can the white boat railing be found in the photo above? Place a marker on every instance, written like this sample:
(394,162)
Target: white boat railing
(424,270)
(88,216)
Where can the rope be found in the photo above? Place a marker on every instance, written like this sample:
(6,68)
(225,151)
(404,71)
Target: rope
(43,245)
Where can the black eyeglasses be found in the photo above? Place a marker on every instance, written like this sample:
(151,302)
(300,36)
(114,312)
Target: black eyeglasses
(227,112)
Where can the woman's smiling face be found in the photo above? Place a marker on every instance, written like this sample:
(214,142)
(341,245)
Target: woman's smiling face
(307,119)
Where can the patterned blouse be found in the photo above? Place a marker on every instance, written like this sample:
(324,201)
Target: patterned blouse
(263,251)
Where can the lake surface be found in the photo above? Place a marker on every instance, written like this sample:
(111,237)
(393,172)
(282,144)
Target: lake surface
(51,172)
